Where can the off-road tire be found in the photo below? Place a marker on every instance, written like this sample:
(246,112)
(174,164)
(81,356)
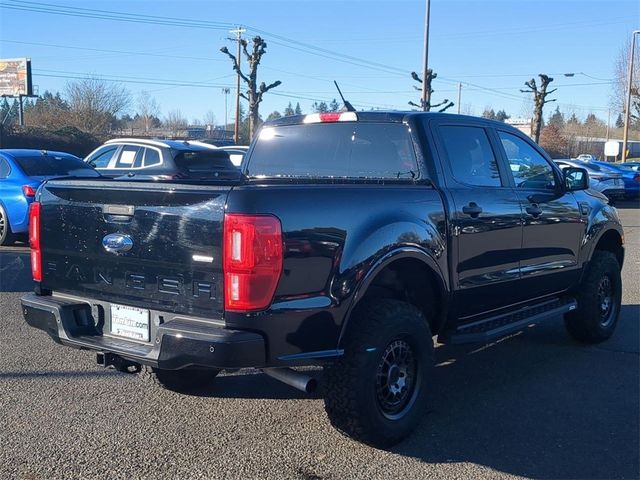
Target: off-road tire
(7,237)
(184,380)
(591,322)
(352,401)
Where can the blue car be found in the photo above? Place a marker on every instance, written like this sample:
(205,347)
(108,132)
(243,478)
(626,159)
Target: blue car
(630,174)
(21,173)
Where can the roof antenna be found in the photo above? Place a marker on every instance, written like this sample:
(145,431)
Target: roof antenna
(347,105)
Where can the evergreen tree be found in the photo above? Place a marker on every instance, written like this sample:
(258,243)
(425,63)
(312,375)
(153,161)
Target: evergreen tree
(289,111)
(321,107)
(557,119)
(489,113)
(501,116)
(334,106)
(573,120)
(298,109)
(274,115)
(619,121)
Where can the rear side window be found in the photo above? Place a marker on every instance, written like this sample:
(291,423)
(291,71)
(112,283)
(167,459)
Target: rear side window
(203,165)
(334,150)
(54,165)
(151,157)
(102,157)
(130,157)
(470,156)
(4,168)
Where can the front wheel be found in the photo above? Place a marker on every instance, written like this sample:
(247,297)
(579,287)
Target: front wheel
(376,392)
(599,300)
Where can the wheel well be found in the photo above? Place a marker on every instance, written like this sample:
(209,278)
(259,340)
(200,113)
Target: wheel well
(611,241)
(411,280)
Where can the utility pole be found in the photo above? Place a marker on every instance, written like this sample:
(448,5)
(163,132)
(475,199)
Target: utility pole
(20,111)
(426,94)
(236,129)
(459,95)
(608,123)
(225,92)
(627,110)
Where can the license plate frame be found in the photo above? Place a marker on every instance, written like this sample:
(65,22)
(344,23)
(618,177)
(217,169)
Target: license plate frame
(130,322)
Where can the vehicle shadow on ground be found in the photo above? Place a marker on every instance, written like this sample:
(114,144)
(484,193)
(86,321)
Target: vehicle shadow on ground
(57,374)
(628,204)
(15,271)
(253,383)
(538,404)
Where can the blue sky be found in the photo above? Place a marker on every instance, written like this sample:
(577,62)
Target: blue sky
(369,47)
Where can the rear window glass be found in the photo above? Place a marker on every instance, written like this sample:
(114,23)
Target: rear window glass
(334,150)
(205,165)
(54,165)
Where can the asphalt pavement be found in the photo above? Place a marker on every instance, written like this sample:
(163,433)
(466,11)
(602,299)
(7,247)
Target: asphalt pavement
(535,404)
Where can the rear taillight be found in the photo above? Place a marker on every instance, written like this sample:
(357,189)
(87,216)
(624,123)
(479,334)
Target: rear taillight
(28,191)
(34,241)
(252,260)
(636,179)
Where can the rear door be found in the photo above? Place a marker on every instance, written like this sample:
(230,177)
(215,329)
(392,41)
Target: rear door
(553,224)
(485,217)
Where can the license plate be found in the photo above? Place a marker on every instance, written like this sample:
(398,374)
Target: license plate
(130,322)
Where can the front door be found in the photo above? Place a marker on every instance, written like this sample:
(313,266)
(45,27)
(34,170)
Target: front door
(553,225)
(485,218)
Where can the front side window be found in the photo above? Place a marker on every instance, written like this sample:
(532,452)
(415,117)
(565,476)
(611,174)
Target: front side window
(470,156)
(102,156)
(528,167)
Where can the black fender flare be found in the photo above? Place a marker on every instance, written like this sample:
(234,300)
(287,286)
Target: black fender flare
(383,262)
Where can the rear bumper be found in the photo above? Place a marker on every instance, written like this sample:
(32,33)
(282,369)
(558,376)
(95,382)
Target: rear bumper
(179,343)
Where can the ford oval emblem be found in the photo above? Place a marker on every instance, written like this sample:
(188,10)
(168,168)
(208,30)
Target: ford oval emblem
(117,243)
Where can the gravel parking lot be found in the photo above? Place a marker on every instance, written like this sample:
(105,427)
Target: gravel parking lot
(533,405)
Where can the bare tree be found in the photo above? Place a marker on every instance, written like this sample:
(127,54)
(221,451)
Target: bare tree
(539,100)
(148,110)
(426,107)
(254,92)
(621,78)
(175,122)
(94,103)
(210,118)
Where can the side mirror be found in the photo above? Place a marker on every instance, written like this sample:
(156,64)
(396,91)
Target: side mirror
(576,178)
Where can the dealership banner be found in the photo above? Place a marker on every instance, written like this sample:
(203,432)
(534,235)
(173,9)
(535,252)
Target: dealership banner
(15,77)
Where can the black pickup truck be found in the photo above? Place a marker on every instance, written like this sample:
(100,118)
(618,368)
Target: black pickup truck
(347,240)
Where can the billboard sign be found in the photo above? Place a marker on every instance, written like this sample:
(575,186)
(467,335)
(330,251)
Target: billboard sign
(15,77)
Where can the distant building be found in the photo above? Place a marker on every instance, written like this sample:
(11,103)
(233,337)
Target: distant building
(522,124)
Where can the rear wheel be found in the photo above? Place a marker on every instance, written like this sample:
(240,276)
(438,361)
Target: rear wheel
(184,380)
(376,392)
(599,300)
(6,236)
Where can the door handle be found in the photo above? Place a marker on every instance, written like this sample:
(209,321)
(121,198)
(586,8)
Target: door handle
(534,210)
(473,210)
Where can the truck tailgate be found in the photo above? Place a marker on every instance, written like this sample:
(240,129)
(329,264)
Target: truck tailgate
(172,257)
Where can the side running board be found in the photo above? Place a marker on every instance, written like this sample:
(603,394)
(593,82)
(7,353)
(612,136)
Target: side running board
(500,325)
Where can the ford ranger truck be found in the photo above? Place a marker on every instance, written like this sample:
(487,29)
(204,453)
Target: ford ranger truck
(346,240)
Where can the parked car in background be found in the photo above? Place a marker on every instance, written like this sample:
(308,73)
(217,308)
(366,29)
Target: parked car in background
(587,157)
(162,159)
(630,175)
(217,142)
(601,178)
(236,153)
(21,173)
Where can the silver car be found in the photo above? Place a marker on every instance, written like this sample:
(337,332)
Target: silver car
(601,178)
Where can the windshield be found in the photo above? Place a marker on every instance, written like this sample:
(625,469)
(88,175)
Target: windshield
(334,150)
(55,165)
